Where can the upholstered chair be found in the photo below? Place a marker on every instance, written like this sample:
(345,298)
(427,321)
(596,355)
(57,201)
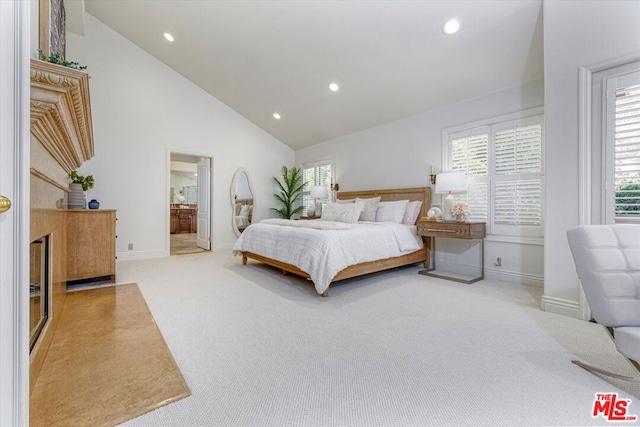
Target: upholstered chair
(607,259)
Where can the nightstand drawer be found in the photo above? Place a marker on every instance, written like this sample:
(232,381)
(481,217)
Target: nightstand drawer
(453,230)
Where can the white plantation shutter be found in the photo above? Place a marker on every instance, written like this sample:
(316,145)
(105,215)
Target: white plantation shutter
(477,198)
(518,150)
(308,175)
(503,163)
(469,152)
(518,202)
(315,173)
(627,152)
(518,175)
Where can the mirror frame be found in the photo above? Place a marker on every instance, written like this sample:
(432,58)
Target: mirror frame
(234,182)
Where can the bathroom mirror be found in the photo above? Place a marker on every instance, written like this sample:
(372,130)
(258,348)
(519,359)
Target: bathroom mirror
(242,200)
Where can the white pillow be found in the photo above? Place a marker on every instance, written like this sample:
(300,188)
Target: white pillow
(244,210)
(391,211)
(411,212)
(370,208)
(342,212)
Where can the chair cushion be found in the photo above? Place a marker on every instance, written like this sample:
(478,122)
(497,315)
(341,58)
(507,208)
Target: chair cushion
(607,259)
(628,341)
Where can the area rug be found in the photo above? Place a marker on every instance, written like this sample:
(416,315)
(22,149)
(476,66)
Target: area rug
(108,362)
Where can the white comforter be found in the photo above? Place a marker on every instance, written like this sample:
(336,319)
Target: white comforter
(324,252)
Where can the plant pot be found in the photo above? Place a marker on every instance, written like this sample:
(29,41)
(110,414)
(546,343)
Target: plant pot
(76,198)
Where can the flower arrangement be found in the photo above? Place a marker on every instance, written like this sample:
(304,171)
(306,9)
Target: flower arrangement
(459,209)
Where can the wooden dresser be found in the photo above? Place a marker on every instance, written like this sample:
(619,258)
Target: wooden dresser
(91,244)
(183,220)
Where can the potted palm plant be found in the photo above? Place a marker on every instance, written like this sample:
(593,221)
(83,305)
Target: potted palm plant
(289,192)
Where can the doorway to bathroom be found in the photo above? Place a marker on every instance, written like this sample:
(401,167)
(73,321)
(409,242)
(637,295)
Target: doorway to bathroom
(189,203)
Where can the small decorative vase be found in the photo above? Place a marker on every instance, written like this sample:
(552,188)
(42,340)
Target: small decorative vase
(76,198)
(461,218)
(94,204)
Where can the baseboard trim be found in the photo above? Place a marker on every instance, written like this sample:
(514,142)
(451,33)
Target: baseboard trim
(560,306)
(130,255)
(493,273)
(514,277)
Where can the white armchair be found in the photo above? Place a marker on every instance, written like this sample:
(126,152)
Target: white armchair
(607,259)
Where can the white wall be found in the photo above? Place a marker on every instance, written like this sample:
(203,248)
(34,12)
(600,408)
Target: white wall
(399,154)
(576,34)
(141,110)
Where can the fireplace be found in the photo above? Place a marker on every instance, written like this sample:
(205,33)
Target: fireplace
(39,288)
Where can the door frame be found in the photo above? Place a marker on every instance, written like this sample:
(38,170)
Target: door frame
(171,151)
(14,223)
(586,214)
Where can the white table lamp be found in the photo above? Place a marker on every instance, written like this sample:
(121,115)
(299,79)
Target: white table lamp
(449,183)
(319,192)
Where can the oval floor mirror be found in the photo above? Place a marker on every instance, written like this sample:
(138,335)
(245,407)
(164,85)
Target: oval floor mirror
(242,200)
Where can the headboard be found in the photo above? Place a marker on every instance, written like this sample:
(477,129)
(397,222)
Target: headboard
(419,193)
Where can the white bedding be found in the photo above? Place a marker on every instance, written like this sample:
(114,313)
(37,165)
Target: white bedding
(323,253)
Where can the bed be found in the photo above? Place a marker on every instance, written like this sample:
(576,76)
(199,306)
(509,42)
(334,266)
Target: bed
(286,234)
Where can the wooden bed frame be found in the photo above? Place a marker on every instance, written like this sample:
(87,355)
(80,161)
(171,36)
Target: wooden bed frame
(419,193)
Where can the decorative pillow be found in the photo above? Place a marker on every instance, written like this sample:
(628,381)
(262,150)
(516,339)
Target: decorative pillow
(342,212)
(345,200)
(391,211)
(244,210)
(411,212)
(370,208)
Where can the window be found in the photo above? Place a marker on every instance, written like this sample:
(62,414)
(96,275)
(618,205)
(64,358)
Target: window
(502,160)
(626,150)
(611,151)
(315,173)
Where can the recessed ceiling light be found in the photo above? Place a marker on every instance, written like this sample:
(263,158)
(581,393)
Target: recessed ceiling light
(168,37)
(276,116)
(451,27)
(334,87)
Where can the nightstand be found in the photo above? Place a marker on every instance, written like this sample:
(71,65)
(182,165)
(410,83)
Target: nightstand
(452,230)
(304,218)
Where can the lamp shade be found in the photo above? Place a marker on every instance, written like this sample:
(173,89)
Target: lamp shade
(319,192)
(451,182)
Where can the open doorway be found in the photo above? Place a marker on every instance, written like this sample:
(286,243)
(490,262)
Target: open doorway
(189,203)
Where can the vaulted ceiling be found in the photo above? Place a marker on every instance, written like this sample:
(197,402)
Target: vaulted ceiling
(391,59)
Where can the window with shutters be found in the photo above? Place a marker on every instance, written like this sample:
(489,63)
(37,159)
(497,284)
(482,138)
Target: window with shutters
(503,161)
(627,153)
(315,173)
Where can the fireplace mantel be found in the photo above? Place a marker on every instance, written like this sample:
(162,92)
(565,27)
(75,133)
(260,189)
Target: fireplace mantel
(61,141)
(61,114)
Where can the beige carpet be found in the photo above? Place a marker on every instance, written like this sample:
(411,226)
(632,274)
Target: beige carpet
(108,362)
(394,349)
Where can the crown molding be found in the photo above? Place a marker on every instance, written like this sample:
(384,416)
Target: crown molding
(61,113)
